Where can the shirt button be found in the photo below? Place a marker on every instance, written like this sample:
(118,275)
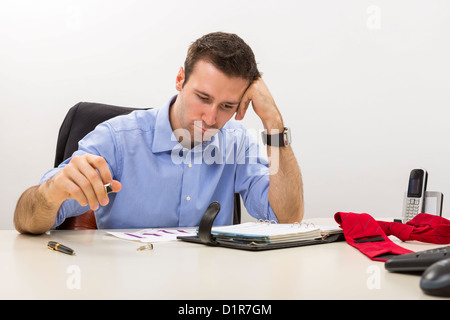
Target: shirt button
(188,198)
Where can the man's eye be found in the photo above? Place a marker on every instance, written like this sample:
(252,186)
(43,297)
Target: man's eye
(227,107)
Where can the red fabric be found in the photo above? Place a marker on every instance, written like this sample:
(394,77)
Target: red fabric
(362,226)
(424,227)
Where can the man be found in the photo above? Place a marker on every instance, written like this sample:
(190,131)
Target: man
(167,165)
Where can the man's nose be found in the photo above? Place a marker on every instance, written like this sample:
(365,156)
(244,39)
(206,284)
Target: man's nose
(210,114)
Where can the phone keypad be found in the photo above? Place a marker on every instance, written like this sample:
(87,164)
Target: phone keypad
(412,208)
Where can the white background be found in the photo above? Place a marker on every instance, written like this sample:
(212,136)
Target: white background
(364,85)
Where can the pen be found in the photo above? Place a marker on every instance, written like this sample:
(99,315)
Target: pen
(53,245)
(108,188)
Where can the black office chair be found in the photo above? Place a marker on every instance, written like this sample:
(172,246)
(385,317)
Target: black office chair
(81,119)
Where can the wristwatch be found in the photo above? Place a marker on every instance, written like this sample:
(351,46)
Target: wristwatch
(282,139)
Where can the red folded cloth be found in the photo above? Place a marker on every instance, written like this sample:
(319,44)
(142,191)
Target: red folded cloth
(424,227)
(365,234)
(371,237)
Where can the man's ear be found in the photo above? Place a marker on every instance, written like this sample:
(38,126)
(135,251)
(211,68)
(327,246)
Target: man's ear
(180,79)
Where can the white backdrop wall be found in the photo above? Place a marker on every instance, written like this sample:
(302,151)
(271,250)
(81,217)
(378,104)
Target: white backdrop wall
(364,85)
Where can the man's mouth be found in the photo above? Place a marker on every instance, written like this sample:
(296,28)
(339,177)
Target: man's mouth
(203,129)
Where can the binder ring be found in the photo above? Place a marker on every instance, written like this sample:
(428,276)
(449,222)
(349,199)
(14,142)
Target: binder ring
(204,229)
(267,221)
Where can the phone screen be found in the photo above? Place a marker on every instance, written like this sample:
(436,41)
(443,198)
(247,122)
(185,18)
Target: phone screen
(415,184)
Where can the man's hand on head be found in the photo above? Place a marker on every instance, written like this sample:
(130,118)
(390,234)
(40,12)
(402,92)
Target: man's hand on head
(263,104)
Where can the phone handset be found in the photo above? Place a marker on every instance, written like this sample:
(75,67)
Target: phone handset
(414,202)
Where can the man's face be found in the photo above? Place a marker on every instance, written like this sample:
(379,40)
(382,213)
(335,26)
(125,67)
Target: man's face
(206,101)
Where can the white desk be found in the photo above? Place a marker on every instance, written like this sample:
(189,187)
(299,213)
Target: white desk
(106,267)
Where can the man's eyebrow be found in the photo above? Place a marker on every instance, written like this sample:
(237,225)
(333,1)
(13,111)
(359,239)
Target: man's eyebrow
(209,96)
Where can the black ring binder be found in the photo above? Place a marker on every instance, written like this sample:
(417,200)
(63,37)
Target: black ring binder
(204,229)
(204,236)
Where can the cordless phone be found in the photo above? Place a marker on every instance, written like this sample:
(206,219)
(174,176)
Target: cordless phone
(414,202)
(417,199)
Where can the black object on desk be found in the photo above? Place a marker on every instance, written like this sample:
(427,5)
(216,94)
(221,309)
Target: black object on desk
(435,280)
(432,264)
(417,261)
(53,245)
(206,237)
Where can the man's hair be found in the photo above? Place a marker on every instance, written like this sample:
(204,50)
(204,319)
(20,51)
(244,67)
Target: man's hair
(227,52)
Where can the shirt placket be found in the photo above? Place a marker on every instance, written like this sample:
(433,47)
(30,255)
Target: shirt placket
(190,185)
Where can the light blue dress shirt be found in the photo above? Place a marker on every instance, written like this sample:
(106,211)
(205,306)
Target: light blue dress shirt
(164,185)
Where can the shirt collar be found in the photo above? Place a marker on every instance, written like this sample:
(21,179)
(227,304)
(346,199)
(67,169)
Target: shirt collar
(164,138)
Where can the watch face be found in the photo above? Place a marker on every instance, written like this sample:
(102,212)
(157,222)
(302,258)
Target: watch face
(287,136)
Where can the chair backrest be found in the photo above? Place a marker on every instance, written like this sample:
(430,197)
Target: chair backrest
(81,119)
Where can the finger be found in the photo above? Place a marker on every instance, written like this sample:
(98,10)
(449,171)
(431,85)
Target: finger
(100,164)
(92,184)
(245,102)
(116,186)
(75,192)
(79,188)
(81,179)
(240,113)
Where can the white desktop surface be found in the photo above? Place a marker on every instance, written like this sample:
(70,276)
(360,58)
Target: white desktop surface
(112,268)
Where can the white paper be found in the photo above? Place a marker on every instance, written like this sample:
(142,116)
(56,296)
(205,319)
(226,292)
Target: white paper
(156,234)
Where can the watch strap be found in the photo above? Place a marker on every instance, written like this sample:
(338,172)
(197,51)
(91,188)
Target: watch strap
(282,139)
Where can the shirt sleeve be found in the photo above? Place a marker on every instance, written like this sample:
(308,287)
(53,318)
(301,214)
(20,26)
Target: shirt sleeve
(252,177)
(101,141)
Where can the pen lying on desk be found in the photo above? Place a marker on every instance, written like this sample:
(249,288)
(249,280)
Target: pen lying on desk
(53,245)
